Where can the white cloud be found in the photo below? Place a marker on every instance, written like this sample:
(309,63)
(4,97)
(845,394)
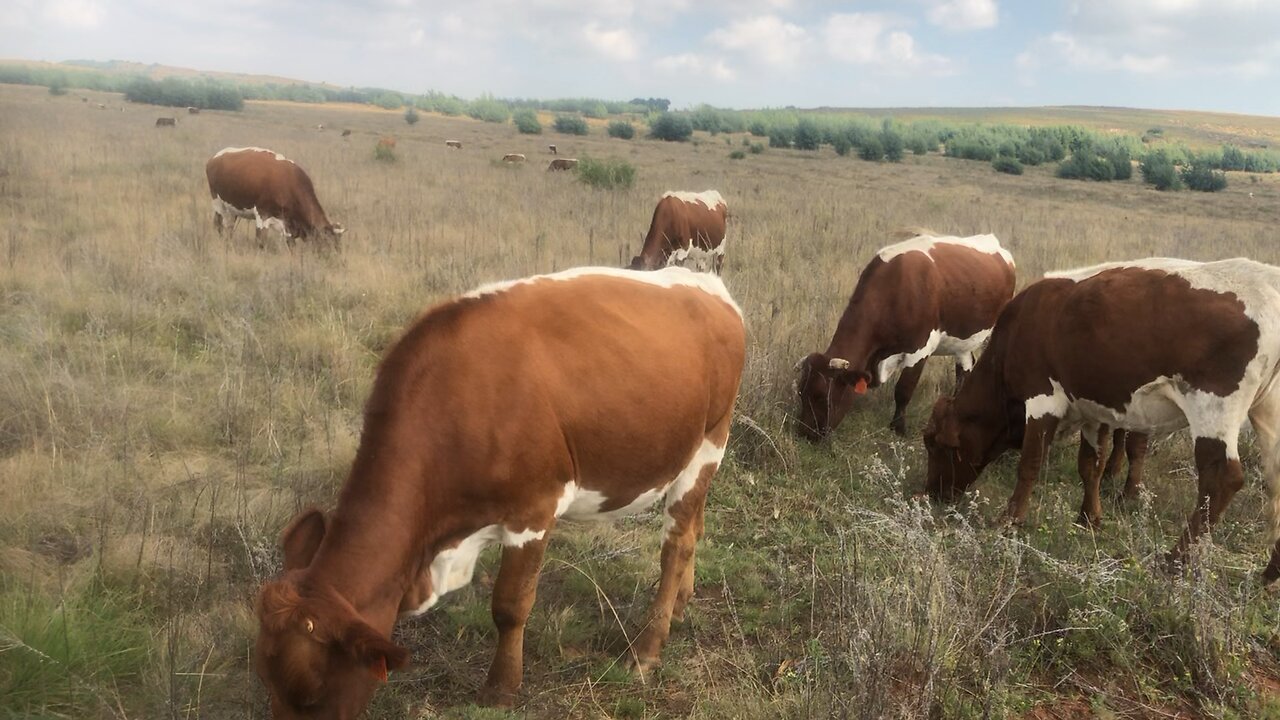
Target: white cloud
(965,14)
(767,38)
(694,64)
(75,13)
(1091,56)
(616,44)
(873,39)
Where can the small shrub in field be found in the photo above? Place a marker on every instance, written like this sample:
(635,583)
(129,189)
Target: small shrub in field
(606,174)
(527,122)
(622,130)
(779,137)
(892,143)
(384,153)
(918,145)
(675,128)
(758,129)
(737,155)
(871,149)
(746,142)
(1200,176)
(1007,164)
(57,88)
(489,109)
(1086,166)
(389,101)
(411,115)
(842,144)
(1158,169)
(757,148)
(808,136)
(570,125)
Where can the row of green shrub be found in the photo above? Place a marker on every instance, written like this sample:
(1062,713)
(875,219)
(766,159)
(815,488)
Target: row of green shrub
(176,92)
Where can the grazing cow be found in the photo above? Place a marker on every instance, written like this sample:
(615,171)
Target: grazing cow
(513,158)
(264,185)
(552,149)
(687,229)
(320,126)
(1151,346)
(166,122)
(455,144)
(102,106)
(462,449)
(927,295)
(346,133)
(387,141)
(193,111)
(563,164)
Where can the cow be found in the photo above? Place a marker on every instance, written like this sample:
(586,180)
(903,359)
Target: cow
(166,122)
(264,185)
(552,149)
(563,164)
(462,449)
(926,295)
(387,141)
(193,111)
(1124,445)
(687,229)
(346,133)
(513,158)
(320,126)
(455,144)
(1150,345)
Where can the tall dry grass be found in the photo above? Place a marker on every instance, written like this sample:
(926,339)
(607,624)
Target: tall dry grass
(168,398)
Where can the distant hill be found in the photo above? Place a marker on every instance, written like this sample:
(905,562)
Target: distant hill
(156,71)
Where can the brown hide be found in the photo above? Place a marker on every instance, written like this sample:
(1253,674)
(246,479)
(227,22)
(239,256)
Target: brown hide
(676,225)
(956,290)
(254,178)
(481,414)
(563,164)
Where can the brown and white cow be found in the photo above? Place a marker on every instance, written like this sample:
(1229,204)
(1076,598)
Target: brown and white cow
(273,190)
(687,229)
(513,158)
(927,295)
(455,144)
(1152,346)
(552,149)
(462,448)
(563,164)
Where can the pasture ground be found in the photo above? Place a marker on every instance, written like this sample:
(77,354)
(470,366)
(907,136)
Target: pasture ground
(169,398)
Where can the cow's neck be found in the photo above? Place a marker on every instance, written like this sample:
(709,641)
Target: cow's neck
(856,338)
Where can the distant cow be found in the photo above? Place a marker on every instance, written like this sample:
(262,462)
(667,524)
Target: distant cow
(462,449)
(927,295)
(264,185)
(346,133)
(563,164)
(513,158)
(552,149)
(193,111)
(102,106)
(387,141)
(166,122)
(687,229)
(1151,345)
(456,145)
(320,126)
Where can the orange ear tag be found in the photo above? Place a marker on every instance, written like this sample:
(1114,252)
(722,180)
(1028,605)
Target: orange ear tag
(380,670)
(860,387)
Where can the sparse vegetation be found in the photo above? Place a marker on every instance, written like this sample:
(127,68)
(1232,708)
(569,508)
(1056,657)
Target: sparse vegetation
(670,127)
(1201,176)
(622,130)
(489,109)
(737,155)
(606,174)
(570,125)
(526,122)
(411,115)
(1006,164)
(384,153)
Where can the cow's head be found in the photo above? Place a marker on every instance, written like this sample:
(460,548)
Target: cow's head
(826,388)
(639,263)
(958,449)
(315,654)
(331,236)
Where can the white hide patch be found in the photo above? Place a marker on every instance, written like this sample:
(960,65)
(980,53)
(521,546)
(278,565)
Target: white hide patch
(1055,403)
(695,258)
(228,150)
(1160,263)
(939,343)
(454,567)
(709,198)
(671,276)
(231,214)
(925,243)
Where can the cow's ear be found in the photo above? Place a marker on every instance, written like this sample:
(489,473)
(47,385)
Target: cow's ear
(857,380)
(370,649)
(301,538)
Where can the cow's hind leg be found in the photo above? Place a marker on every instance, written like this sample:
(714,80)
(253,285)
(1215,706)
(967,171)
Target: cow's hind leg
(1265,418)
(513,595)
(1135,449)
(902,392)
(1092,447)
(1220,477)
(685,503)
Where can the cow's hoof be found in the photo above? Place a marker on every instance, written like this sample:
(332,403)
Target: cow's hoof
(1089,523)
(898,426)
(642,668)
(492,696)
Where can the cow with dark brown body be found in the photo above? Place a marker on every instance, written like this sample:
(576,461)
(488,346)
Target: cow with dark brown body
(927,295)
(462,449)
(687,229)
(166,122)
(272,190)
(1151,346)
(455,144)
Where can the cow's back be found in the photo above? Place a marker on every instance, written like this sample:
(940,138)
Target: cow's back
(254,178)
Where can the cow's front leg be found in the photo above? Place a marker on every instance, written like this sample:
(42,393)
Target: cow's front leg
(513,596)
(1036,439)
(903,390)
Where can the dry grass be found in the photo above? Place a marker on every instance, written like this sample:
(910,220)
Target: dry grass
(169,398)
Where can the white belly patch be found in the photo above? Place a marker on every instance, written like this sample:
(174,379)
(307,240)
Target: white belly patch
(453,568)
(939,343)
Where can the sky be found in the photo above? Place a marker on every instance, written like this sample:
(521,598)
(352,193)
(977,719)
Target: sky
(1177,54)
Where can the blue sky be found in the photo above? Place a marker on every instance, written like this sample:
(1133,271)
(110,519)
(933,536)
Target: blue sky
(1184,54)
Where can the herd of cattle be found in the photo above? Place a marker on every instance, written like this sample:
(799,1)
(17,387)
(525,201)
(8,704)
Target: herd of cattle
(462,448)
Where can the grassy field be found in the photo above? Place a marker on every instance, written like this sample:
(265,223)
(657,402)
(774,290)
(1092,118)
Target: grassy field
(169,398)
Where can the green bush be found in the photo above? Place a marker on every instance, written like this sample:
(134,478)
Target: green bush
(756,148)
(917,145)
(622,130)
(808,136)
(871,149)
(177,92)
(488,109)
(841,144)
(389,101)
(606,174)
(411,115)
(1201,176)
(57,88)
(570,125)
(1102,161)
(1158,169)
(737,155)
(779,137)
(1007,164)
(527,122)
(671,127)
(384,153)
(892,143)
(758,129)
